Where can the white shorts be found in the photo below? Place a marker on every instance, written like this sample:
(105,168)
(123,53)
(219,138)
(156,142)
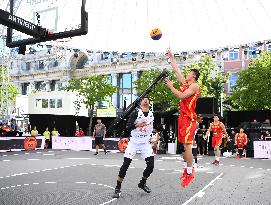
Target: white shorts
(144,148)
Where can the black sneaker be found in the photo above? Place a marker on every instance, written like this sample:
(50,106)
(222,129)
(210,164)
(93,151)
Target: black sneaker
(144,187)
(116,193)
(96,153)
(105,152)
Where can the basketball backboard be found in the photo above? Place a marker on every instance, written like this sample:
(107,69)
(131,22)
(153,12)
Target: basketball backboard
(61,18)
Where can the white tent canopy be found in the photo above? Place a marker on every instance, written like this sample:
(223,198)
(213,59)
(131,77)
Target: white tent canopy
(124,25)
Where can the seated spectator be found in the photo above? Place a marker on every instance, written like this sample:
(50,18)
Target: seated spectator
(266,123)
(79,133)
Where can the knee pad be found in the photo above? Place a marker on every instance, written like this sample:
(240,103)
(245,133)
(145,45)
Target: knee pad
(124,167)
(150,165)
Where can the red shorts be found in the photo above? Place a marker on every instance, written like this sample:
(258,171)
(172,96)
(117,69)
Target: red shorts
(240,145)
(186,129)
(216,140)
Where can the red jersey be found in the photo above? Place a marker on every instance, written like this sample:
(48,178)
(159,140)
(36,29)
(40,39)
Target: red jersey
(216,128)
(188,105)
(241,139)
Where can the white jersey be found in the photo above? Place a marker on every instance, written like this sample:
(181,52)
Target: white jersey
(142,134)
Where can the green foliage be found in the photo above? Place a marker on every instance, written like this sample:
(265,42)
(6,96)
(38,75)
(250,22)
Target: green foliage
(90,90)
(163,99)
(4,83)
(211,80)
(253,86)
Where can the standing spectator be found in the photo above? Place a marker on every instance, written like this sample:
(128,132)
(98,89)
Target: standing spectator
(26,132)
(79,133)
(34,132)
(201,140)
(55,132)
(155,137)
(99,134)
(46,134)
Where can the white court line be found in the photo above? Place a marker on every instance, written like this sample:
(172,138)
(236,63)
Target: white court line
(15,154)
(80,182)
(5,155)
(33,159)
(242,166)
(159,160)
(108,201)
(6,160)
(200,192)
(48,154)
(79,158)
(232,165)
(50,182)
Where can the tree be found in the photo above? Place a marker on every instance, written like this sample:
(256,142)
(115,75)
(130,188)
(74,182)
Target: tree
(252,90)
(8,91)
(163,99)
(90,90)
(211,80)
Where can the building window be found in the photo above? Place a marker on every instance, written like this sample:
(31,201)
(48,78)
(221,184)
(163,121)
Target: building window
(52,103)
(59,103)
(54,85)
(41,65)
(232,81)
(44,103)
(25,87)
(234,54)
(38,85)
(27,66)
(252,51)
(38,103)
(55,63)
(127,81)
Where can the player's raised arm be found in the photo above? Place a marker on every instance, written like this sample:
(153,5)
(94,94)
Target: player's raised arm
(175,67)
(193,88)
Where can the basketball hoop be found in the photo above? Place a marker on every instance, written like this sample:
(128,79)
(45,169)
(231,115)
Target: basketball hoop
(62,40)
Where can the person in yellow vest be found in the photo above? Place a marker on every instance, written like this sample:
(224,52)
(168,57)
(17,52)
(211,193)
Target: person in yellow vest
(46,134)
(55,132)
(34,132)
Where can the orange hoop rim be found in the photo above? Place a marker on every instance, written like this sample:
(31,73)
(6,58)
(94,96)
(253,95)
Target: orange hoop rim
(62,40)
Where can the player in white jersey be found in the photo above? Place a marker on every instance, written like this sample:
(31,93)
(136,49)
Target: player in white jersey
(140,123)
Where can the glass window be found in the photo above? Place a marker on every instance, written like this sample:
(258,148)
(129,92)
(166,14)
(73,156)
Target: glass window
(44,103)
(41,65)
(127,80)
(38,103)
(252,51)
(52,103)
(59,103)
(232,82)
(269,47)
(27,66)
(233,54)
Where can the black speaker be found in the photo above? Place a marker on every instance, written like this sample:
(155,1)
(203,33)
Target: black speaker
(207,105)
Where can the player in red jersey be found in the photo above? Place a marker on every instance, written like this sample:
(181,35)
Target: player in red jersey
(218,128)
(188,94)
(241,142)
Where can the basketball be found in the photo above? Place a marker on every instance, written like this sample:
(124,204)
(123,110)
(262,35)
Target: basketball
(122,144)
(156,34)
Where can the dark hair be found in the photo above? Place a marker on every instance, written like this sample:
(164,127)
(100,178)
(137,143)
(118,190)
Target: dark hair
(144,98)
(196,73)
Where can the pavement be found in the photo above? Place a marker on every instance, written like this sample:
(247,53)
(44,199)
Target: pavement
(78,177)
